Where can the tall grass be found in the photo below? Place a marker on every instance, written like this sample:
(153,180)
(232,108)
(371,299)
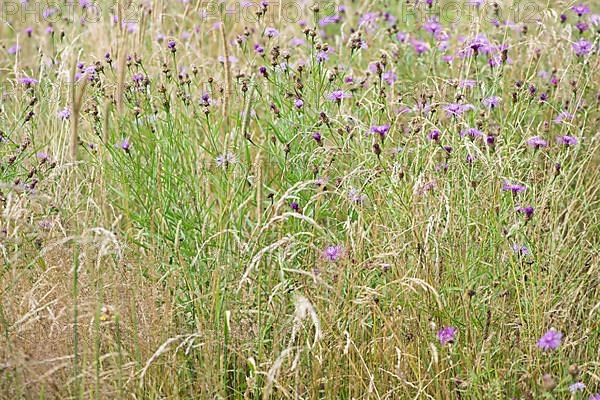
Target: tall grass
(188,229)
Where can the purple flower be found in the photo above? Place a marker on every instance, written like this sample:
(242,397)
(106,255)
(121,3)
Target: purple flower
(550,340)
(338,95)
(389,77)
(582,26)
(295,206)
(582,47)
(27,81)
(355,196)
(490,140)
(419,46)
(434,135)
(446,335)
(271,32)
(330,19)
(513,187)
(567,140)
(322,56)
(333,253)
(564,115)
(382,130)
(14,49)
(537,142)
(432,25)
(317,137)
(595,396)
(473,133)
(455,109)
(577,387)
(527,211)
(65,113)
(172,45)
(520,250)
(298,103)
(580,9)
(491,102)
(125,145)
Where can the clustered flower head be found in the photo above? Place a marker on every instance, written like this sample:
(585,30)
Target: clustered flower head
(551,340)
(333,253)
(447,335)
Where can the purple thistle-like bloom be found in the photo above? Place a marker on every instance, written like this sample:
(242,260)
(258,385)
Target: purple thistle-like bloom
(490,140)
(382,130)
(27,81)
(432,25)
(355,196)
(520,250)
(513,187)
(171,45)
(527,211)
(125,145)
(582,26)
(576,387)
(580,9)
(582,47)
(595,396)
(537,142)
(333,253)
(473,133)
(330,19)
(299,103)
(564,115)
(295,206)
(455,109)
(338,95)
(317,137)
(420,46)
(389,77)
(65,113)
(491,102)
(271,32)
(550,340)
(446,335)
(567,140)
(434,135)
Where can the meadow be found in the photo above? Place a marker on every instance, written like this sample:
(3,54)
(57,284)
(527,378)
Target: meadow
(299,199)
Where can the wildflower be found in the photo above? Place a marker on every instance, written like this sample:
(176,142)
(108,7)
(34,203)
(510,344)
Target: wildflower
(470,159)
(576,387)
(595,396)
(65,113)
(446,335)
(520,250)
(582,26)
(27,81)
(455,109)
(125,145)
(338,95)
(567,140)
(491,102)
(434,135)
(490,140)
(330,19)
(537,142)
(527,211)
(271,32)
(29,31)
(322,56)
(582,47)
(355,196)
(580,9)
(172,45)
(513,187)
(473,133)
(299,103)
(550,340)
(317,137)
(226,159)
(564,115)
(43,157)
(295,206)
(432,25)
(13,49)
(381,130)
(263,71)
(333,253)
(420,46)
(389,77)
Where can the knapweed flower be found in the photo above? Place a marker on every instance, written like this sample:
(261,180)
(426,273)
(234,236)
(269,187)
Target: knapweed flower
(172,45)
(520,250)
(537,142)
(513,187)
(527,211)
(298,103)
(338,95)
(567,140)
(455,109)
(446,335)
(419,46)
(473,133)
(580,9)
(434,135)
(355,196)
(125,145)
(432,25)
(224,160)
(563,116)
(491,102)
(582,47)
(381,130)
(550,340)
(577,387)
(317,137)
(595,396)
(27,81)
(333,253)
(295,206)
(65,113)
(271,32)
